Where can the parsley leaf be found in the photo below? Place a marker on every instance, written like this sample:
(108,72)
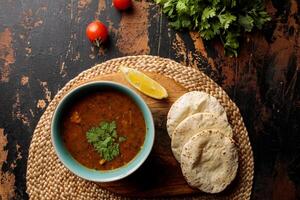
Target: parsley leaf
(226,19)
(105,140)
(181,7)
(247,22)
(208,13)
(231,43)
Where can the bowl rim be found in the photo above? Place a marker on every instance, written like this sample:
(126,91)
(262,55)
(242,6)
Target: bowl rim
(106,175)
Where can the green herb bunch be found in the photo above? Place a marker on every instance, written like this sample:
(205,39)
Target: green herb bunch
(105,140)
(227,19)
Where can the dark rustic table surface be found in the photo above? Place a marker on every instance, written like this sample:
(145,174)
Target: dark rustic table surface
(43,46)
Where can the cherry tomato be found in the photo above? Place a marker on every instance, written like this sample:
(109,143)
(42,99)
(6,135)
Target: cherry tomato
(122,4)
(97,32)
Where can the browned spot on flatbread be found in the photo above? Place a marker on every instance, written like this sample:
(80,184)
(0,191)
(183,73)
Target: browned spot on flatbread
(7,56)
(7,179)
(133,31)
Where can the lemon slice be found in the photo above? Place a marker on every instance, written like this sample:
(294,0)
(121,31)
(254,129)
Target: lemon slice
(144,83)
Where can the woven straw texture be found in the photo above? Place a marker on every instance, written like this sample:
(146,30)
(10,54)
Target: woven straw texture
(47,178)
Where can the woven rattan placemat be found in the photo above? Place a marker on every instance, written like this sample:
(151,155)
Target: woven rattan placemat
(47,178)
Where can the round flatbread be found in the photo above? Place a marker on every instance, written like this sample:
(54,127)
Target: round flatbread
(209,161)
(194,124)
(191,103)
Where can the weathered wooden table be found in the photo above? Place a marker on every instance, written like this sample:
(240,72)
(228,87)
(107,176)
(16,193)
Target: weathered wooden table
(43,45)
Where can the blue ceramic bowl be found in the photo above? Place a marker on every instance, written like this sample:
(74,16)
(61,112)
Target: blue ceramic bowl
(91,174)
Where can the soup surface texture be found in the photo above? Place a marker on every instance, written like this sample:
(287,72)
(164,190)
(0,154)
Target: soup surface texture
(88,112)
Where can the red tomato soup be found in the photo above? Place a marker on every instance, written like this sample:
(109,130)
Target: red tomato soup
(88,112)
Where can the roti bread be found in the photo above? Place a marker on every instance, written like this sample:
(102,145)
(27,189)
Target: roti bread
(192,125)
(191,103)
(209,161)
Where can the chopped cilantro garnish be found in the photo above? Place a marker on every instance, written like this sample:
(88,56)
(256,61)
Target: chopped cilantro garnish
(122,139)
(105,140)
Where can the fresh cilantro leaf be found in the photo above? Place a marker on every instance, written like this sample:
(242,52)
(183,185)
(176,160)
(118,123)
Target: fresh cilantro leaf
(161,1)
(104,125)
(204,25)
(230,3)
(246,22)
(168,5)
(226,19)
(181,7)
(186,23)
(112,126)
(105,140)
(208,13)
(216,28)
(215,2)
(176,24)
(114,134)
(94,137)
(207,34)
(261,19)
(232,43)
(110,153)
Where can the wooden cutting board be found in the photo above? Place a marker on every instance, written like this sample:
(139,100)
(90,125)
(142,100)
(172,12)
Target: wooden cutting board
(160,175)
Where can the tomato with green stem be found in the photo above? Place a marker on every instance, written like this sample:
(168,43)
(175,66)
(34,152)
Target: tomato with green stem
(97,33)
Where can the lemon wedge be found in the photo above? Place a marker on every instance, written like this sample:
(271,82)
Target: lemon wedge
(144,83)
